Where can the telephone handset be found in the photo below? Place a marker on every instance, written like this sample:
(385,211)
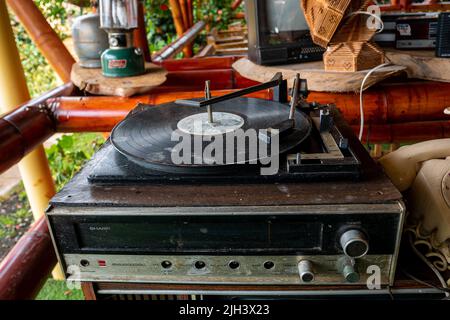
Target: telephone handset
(424,170)
(403,165)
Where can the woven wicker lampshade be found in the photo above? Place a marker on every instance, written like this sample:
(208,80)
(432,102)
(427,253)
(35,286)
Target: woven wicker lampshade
(339,26)
(353,56)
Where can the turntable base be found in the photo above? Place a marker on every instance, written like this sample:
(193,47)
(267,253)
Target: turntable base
(123,184)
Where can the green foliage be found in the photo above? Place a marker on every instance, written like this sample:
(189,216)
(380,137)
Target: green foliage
(6,226)
(160,27)
(65,157)
(161,30)
(217,12)
(68,155)
(57,290)
(40,76)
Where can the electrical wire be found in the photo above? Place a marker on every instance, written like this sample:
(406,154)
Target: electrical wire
(361,102)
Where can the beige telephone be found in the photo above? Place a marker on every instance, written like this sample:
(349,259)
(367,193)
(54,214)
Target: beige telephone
(424,170)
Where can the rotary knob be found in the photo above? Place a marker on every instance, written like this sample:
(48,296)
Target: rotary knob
(346,266)
(305,270)
(354,243)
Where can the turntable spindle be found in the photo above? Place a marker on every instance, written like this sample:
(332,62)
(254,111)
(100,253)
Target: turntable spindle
(294,99)
(207,97)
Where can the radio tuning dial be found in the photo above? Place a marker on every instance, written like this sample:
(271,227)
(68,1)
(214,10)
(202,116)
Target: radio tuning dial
(305,270)
(354,243)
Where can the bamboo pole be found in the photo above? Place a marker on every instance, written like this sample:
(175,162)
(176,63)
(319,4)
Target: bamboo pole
(140,33)
(179,25)
(176,15)
(44,37)
(184,13)
(187,50)
(34,168)
(236,4)
(26,267)
(190,12)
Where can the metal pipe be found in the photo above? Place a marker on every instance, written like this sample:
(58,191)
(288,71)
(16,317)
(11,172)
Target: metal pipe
(43,36)
(178,45)
(26,267)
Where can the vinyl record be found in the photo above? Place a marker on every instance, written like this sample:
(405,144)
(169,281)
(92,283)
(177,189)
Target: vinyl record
(147,138)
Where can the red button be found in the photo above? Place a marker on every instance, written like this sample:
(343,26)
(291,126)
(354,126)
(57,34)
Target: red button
(101,263)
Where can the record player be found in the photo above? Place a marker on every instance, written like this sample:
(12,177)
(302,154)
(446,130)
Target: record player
(147,209)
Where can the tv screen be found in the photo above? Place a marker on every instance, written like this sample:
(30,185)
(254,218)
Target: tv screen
(285,22)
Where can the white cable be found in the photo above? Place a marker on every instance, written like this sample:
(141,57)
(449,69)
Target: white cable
(361,104)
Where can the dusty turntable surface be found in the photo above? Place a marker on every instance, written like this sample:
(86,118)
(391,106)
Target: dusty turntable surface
(320,159)
(110,179)
(146,137)
(229,138)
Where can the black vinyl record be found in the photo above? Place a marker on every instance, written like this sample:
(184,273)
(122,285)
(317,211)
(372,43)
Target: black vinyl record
(146,137)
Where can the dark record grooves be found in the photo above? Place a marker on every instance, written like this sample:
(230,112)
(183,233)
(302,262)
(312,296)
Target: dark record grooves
(145,136)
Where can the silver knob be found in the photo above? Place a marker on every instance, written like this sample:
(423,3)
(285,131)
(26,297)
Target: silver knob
(305,270)
(354,243)
(346,266)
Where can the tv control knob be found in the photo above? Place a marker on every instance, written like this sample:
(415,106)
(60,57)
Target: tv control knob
(346,266)
(305,271)
(354,243)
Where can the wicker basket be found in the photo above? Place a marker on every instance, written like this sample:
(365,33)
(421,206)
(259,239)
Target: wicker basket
(323,18)
(353,56)
(354,26)
(333,21)
(337,24)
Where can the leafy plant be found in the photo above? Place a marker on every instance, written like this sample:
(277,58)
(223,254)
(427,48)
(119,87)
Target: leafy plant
(217,12)
(65,157)
(160,27)
(161,30)
(69,154)
(40,76)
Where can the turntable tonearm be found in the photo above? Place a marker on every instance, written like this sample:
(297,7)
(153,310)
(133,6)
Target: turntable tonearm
(328,215)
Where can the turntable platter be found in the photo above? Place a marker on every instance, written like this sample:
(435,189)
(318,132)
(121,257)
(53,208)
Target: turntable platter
(146,137)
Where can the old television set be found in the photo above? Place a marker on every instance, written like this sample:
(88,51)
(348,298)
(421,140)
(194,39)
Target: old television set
(278,33)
